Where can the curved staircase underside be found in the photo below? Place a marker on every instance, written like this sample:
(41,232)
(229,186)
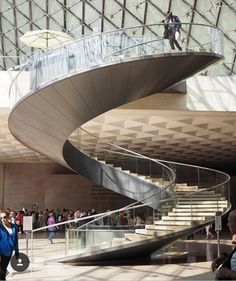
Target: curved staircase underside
(44,118)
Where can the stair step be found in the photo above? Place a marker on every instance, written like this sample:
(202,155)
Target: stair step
(166,223)
(209,214)
(203,192)
(201,199)
(146,232)
(154,232)
(168,228)
(118,242)
(141,177)
(202,195)
(197,202)
(179,210)
(181,184)
(195,218)
(199,206)
(118,168)
(133,237)
(156,180)
(126,171)
(148,180)
(156,183)
(187,188)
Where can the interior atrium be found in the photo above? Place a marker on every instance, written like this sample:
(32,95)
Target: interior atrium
(97,111)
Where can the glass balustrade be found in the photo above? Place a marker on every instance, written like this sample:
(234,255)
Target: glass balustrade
(39,68)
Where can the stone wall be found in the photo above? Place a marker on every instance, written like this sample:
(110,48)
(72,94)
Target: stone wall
(51,186)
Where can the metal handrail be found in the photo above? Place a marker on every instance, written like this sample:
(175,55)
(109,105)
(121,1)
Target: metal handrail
(138,155)
(43,54)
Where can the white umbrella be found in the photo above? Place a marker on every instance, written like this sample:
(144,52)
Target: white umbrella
(44,38)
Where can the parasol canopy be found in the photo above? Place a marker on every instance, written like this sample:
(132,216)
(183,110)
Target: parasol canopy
(44,38)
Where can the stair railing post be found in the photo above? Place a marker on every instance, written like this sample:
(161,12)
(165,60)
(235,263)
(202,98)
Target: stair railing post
(77,238)
(218,228)
(191,208)
(198,177)
(67,241)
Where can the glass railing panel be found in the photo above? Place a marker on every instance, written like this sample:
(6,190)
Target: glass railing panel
(201,186)
(47,65)
(124,227)
(39,240)
(195,179)
(130,167)
(108,230)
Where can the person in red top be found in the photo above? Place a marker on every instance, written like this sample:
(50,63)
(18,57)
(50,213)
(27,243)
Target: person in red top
(19,221)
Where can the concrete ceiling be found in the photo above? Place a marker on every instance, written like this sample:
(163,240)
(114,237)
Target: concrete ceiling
(182,136)
(207,138)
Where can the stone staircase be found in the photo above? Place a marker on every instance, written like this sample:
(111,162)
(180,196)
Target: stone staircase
(191,208)
(155,181)
(188,212)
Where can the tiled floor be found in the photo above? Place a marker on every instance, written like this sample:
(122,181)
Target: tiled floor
(183,267)
(193,271)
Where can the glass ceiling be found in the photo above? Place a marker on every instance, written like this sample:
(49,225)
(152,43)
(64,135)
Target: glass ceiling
(82,17)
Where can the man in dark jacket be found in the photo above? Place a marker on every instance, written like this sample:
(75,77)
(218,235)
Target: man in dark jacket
(172,26)
(8,243)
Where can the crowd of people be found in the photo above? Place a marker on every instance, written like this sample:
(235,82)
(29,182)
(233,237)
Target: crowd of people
(51,216)
(11,225)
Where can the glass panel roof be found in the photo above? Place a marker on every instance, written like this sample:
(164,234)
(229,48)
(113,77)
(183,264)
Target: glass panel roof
(80,17)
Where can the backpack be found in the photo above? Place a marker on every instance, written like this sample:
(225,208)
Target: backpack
(176,20)
(167,32)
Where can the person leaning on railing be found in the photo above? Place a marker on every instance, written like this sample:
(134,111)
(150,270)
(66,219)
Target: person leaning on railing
(225,265)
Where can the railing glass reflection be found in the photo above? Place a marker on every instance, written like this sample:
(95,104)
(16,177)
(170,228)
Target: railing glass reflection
(107,48)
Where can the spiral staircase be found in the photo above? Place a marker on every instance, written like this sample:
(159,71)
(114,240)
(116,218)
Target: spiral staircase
(73,84)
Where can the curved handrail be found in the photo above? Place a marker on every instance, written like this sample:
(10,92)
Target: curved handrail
(140,156)
(84,53)
(14,80)
(130,152)
(134,155)
(90,227)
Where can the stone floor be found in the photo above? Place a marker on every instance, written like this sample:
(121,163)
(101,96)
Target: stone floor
(190,260)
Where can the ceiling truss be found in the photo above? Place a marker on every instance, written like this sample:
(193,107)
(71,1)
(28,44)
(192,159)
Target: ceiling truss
(74,17)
